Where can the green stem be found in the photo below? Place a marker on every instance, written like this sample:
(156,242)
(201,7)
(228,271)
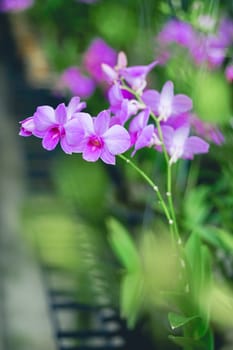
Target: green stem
(169,211)
(151,184)
(169,180)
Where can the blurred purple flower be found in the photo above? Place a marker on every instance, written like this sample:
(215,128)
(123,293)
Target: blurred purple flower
(176,31)
(95,138)
(206,130)
(15,5)
(98,53)
(229,72)
(76,82)
(179,145)
(166,104)
(112,74)
(208,49)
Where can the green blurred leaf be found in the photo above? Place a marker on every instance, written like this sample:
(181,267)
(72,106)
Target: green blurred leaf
(177,320)
(123,246)
(200,279)
(195,207)
(216,236)
(205,343)
(131,297)
(184,342)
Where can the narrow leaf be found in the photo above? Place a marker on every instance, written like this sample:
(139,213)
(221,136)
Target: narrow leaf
(123,246)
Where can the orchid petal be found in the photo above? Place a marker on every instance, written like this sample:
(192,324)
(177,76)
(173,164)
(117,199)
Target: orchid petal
(74,106)
(144,138)
(50,139)
(107,157)
(77,128)
(139,121)
(151,99)
(91,154)
(117,139)
(195,145)
(44,118)
(181,103)
(60,114)
(102,122)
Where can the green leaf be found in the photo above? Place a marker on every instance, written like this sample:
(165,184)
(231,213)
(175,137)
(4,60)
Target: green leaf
(184,342)
(131,297)
(206,343)
(216,236)
(177,320)
(192,249)
(123,246)
(195,207)
(200,280)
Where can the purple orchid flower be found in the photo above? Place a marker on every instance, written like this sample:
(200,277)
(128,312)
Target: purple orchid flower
(112,73)
(50,124)
(179,145)
(229,73)
(166,104)
(27,127)
(142,134)
(206,130)
(176,31)
(15,5)
(97,54)
(78,84)
(123,108)
(135,76)
(95,138)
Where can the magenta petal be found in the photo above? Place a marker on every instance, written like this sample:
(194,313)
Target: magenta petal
(109,72)
(60,114)
(181,103)
(117,139)
(168,134)
(91,154)
(145,137)
(65,146)
(195,145)
(27,127)
(107,157)
(75,106)
(76,129)
(167,94)
(102,121)
(50,140)
(139,121)
(44,118)
(115,97)
(151,99)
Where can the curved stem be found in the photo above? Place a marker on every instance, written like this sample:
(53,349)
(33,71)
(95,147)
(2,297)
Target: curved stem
(151,184)
(169,179)
(169,211)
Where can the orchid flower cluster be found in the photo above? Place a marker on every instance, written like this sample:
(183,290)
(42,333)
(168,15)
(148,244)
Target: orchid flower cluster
(209,44)
(83,80)
(136,118)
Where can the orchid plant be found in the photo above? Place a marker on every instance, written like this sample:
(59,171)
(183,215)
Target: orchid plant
(172,272)
(140,118)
